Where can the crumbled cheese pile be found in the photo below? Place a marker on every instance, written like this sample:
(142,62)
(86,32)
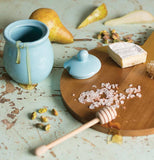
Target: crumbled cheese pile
(108,95)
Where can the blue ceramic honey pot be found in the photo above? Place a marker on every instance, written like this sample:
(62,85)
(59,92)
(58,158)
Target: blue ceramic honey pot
(28,54)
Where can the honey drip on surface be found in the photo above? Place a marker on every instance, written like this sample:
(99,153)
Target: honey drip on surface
(115,125)
(27,86)
(115,139)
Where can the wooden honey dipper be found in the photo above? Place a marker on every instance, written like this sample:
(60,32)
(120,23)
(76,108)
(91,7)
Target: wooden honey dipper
(103,116)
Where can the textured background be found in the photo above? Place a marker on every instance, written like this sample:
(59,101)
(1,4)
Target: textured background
(18,135)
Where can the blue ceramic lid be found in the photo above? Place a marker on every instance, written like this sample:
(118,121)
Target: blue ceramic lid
(83,65)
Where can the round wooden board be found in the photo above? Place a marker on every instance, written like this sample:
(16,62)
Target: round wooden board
(137,119)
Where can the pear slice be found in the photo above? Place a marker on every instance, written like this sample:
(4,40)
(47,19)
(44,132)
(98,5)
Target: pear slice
(98,14)
(139,16)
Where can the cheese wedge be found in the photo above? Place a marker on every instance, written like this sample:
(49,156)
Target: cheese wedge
(127,54)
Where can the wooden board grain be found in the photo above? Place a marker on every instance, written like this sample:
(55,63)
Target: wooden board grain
(137,119)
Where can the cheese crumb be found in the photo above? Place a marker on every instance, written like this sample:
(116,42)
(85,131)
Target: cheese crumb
(150,69)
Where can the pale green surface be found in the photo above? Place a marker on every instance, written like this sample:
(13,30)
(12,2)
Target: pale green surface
(19,141)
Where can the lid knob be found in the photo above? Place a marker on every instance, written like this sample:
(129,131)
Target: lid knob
(83,65)
(82,55)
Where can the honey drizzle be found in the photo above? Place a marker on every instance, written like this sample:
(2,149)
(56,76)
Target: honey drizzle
(18,51)
(28,66)
(27,59)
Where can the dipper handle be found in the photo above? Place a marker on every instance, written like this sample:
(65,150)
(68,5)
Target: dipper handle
(42,149)
(105,115)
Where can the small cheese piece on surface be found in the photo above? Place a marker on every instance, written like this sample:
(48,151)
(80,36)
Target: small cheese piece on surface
(127,54)
(150,69)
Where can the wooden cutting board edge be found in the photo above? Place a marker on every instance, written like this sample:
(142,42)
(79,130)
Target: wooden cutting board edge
(142,132)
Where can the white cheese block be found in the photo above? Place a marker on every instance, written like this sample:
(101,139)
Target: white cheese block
(127,54)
